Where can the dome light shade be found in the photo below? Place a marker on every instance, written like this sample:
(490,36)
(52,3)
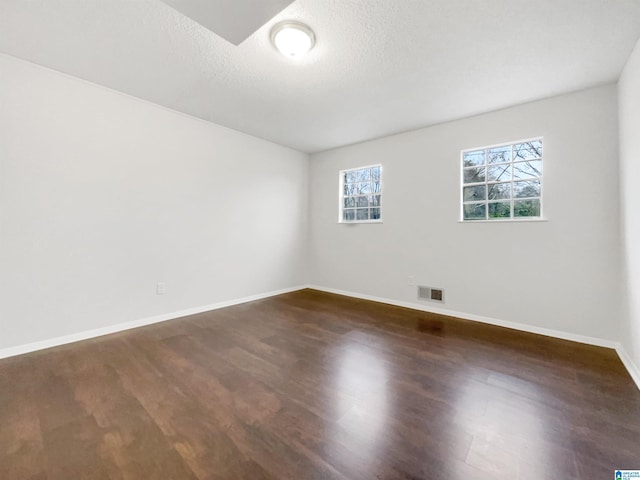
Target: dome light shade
(292,39)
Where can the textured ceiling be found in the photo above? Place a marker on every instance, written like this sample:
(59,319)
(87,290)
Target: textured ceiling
(379,66)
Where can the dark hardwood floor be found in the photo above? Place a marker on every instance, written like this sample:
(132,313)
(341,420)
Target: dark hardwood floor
(310,385)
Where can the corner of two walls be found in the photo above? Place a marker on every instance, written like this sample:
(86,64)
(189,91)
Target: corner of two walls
(629,120)
(560,276)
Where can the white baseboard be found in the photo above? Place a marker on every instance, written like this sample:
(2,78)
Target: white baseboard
(599,342)
(98,332)
(631,367)
(477,318)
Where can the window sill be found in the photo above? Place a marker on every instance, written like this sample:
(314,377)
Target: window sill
(506,220)
(358,222)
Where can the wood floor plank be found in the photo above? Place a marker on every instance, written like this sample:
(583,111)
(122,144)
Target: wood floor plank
(310,385)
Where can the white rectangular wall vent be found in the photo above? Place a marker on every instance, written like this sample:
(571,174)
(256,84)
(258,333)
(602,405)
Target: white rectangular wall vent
(431,294)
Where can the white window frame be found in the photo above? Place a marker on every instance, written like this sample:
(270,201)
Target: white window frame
(341,195)
(486,182)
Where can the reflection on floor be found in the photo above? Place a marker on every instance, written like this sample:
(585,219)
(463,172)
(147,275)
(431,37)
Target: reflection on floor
(311,385)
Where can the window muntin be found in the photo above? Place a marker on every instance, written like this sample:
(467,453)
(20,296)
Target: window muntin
(502,182)
(361,194)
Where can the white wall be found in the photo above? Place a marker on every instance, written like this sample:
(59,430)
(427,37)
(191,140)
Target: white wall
(629,107)
(103,195)
(562,274)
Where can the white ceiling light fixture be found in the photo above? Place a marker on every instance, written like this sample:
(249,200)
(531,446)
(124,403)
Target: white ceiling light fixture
(292,39)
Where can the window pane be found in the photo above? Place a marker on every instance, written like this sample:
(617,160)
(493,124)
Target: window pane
(375,174)
(527,169)
(375,214)
(501,172)
(474,211)
(375,200)
(349,215)
(499,154)
(500,210)
(362,202)
(362,214)
(376,186)
(473,158)
(350,177)
(363,175)
(363,188)
(526,208)
(527,150)
(499,191)
(349,189)
(474,175)
(502,182)
(349,202)
(474,193)
(526,189)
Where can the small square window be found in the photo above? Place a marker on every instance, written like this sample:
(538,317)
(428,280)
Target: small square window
(361,195)
(502,182)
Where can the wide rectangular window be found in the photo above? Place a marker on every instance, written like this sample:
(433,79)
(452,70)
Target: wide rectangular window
(502,182)
(361,194)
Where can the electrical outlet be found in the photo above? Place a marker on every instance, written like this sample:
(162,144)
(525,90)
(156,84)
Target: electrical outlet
(411,280)
(161,288)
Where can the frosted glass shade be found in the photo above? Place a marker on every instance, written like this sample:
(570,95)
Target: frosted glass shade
(292,39)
